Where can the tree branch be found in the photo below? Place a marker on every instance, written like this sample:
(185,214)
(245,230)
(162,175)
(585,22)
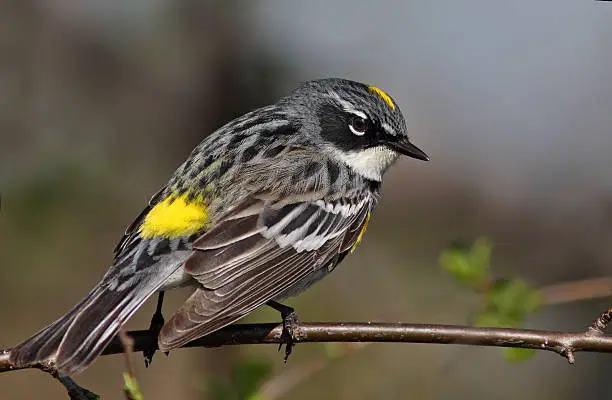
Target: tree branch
(562,343)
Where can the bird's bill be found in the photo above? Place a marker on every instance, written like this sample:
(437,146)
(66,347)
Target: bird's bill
(403,146)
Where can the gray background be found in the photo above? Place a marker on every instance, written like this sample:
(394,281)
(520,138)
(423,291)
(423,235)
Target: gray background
(100,101)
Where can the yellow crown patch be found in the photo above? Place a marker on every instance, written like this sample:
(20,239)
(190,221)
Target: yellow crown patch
(175,216)
(386,98)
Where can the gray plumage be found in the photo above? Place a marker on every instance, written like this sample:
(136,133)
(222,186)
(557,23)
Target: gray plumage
(288,190)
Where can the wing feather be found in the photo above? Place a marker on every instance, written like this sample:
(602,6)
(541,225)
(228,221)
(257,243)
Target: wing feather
(257,252)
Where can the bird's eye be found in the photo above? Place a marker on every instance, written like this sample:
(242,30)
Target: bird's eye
(358,125)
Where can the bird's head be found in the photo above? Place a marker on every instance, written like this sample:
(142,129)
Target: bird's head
(361,125)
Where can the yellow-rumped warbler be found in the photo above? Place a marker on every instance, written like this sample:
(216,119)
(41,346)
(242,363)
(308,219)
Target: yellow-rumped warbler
(262,208)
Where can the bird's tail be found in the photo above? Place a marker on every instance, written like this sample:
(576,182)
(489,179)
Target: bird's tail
(77,338)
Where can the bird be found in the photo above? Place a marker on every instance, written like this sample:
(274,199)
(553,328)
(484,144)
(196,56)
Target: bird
(261,209)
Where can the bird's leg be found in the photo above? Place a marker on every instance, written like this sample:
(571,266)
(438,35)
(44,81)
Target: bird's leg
(157,322)
(290,325)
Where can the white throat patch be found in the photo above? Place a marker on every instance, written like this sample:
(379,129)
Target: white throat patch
(370,163)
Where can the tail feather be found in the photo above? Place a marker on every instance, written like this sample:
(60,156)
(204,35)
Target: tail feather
(94,327)
(43,345)
(77,338)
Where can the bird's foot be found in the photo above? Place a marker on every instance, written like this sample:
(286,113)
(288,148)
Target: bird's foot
(157,322)
(291,323)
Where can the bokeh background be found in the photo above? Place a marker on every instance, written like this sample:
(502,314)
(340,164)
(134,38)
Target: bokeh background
(100,101)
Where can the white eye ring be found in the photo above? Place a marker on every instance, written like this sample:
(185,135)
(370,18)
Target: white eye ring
(356,132)
(361,129)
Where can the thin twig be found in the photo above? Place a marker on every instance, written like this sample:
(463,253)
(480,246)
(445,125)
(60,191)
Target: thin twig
(601,323)
(131,388)
(76,392)
(127,343)
(563,343)
(569,292)
(554,294)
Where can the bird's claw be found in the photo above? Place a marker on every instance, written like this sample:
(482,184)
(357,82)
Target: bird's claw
(291,323)
(157,322)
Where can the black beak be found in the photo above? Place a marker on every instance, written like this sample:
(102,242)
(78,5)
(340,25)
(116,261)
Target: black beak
(403,146)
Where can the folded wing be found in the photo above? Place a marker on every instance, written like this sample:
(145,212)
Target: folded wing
(258,252)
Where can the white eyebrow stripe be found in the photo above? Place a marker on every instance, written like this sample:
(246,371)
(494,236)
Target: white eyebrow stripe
(347,106)
(359,114)
(388,128)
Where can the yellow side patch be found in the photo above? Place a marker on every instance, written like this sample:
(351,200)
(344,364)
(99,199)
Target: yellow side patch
(386,98)
(175,216)
(363,229)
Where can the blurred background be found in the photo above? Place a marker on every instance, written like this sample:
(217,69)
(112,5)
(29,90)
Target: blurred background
(100,101)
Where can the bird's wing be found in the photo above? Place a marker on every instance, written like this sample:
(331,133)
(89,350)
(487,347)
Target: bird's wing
(257,252)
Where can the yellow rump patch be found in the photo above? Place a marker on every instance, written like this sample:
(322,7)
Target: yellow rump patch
(363,229)
(386,98)
(175,216)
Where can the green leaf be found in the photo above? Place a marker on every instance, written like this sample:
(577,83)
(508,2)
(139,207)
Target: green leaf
(514,298)
(480,254)
(469,266)
(514,354)
(131,388)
